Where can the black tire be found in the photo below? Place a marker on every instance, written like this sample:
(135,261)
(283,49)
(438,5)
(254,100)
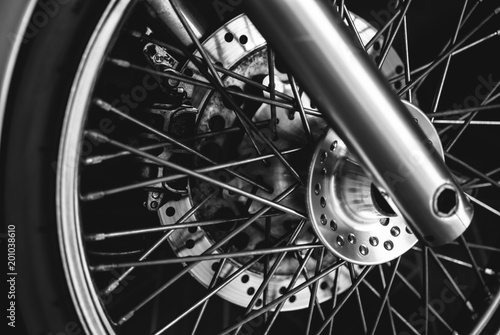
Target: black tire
(42,81)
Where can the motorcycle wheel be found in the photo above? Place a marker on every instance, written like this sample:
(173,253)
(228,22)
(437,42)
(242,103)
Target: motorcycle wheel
(115,243)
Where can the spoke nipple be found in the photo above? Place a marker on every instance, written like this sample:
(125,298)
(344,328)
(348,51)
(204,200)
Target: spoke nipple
(135,33)
(92,196)
(102,104)
(497,10)
(125,318)
(470,307)
(111,288)
(92,160)
(96,136)
(98,268)
(95,237)
(119,62)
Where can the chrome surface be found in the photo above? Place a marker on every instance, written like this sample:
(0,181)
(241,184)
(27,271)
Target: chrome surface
(86,300)
(348,213)
(359,106)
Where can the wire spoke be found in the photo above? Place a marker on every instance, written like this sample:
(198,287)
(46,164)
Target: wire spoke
(289,288)
(302,261)
(286,104)
(393,310)
(470,118)
(479,246)
(104,139)
(98,159)
(302,112)
(474,171)
(352,275)
(350,21)
(390,40)
(448,276)
(440,59)
(271,273)
(193,224)
(210,250)
(382,30)
(475,180)
(218,67)
(346,296)
(107,107)
(471,123)
(334,300)
(453,260)
(407,59)
(291,239)
(388,304)
(460,50)
(173,177)
(385,297)
(114,284)
(476,268)
(216,80)
(448,61)
(272,85)
(314,292)
(485,206)
(190,259)
(213,282)
(425,291)
(283,298)
(464,111)
(417,294)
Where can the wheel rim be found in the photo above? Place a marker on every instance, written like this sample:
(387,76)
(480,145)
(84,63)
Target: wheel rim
(112,293)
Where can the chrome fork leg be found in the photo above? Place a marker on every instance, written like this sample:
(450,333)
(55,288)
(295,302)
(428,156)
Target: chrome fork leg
(359,105)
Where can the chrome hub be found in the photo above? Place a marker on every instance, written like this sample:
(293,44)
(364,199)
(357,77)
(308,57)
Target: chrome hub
(351,215)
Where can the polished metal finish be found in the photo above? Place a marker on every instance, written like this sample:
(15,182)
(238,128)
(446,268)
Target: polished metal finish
(358,104)
(86,299)
(344,205)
